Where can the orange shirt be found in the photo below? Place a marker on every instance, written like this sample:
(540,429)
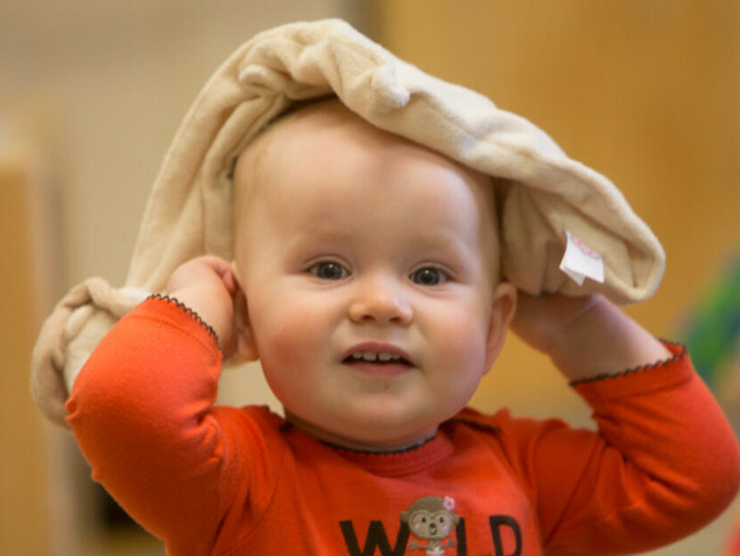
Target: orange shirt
(232,481)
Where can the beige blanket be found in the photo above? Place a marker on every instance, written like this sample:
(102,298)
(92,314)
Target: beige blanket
(545,195)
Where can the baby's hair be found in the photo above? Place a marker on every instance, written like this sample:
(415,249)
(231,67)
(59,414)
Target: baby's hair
(298,106)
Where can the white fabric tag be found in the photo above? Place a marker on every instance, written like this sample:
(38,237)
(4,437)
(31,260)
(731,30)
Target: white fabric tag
(581,262)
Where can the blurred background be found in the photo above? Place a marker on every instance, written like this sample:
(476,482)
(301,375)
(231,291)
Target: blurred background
(91,93)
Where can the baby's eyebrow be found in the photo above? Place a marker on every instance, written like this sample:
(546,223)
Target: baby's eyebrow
(320,238)
(325,232)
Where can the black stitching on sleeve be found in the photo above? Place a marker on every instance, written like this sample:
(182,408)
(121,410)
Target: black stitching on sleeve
(638,369)
(188,310)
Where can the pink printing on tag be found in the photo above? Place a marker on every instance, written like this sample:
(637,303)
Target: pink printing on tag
(581,262)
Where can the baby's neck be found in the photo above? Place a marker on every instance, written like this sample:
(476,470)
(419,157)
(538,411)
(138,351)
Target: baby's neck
(357,445)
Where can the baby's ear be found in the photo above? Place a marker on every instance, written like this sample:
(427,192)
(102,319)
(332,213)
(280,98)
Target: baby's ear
(502,312)
(245,344)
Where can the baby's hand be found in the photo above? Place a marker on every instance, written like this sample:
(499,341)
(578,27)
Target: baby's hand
(543,321)
(207,286)
(585,336)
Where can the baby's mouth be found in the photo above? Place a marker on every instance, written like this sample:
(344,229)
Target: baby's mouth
(380,358)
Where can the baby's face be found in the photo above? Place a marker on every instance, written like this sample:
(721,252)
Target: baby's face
(369,268)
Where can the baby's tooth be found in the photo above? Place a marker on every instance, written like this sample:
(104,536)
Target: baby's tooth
(383,356)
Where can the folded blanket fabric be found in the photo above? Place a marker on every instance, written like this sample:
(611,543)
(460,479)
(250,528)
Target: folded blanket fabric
(549,202)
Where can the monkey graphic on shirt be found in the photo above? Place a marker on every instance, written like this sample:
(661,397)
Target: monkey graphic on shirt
(431,520)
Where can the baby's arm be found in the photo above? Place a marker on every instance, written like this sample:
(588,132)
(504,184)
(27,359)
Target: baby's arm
(664,462)
(143,409)
(585,337)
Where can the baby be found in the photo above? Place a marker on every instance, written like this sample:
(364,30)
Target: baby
(367,281)
(370,271)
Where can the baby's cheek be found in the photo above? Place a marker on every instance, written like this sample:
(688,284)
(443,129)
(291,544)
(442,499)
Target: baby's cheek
(282,340)
(464,340)
(289,336)
(282,361)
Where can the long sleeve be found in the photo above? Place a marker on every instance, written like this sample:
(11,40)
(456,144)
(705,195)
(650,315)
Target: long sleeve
(665,463)
(142,413)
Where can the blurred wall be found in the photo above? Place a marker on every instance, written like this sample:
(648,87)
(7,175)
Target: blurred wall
(23,501)
(646,93)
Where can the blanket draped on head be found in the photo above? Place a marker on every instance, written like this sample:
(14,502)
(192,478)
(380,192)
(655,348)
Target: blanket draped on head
(542,192)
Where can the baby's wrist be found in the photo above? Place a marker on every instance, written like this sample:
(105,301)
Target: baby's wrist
(603,340)
(200,301)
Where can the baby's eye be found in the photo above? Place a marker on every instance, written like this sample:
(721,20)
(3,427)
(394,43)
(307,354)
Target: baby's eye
(328,270)
(428,276)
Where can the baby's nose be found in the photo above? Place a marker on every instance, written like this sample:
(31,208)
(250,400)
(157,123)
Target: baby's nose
(381,303)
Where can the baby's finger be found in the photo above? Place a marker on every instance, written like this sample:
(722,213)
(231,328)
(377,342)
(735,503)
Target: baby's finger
(229,281)
(223,270)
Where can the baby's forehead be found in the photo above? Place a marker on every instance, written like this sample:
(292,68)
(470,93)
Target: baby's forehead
(328,131)
(325,137)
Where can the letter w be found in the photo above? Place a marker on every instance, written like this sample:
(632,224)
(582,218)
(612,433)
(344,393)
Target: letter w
(376,539)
